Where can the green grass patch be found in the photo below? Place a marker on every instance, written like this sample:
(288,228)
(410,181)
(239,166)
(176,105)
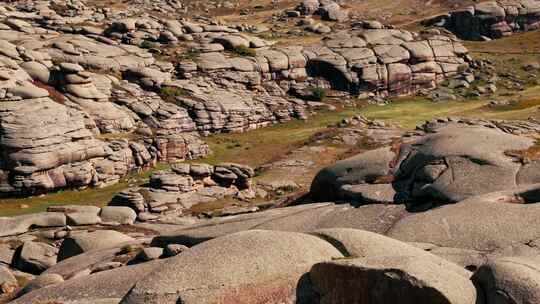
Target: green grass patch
(145,44)
(190,54)
(90,196)
(264,145)
(172,91)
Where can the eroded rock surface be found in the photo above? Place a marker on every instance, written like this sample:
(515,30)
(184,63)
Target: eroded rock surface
(492,19)
(453,160)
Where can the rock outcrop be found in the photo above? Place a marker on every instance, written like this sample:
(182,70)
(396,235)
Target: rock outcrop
(186,185)
(491,19)
(327,9)
(452,161)
(121,99)
(49,139)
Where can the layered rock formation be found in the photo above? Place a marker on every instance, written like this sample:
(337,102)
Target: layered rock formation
(107,79)
(186,185)
(491,19)
(385,61)
(49,139)
(328,10)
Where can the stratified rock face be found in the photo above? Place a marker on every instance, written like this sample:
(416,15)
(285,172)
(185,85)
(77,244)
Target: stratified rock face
(492,19)
(386,61)
(327,9)
(48,139)
(186,185)
(45,144)
(453,161)
(231,94)
(73,85)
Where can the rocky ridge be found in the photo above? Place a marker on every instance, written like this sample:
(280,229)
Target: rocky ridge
(109,81)
(446,213)
(491,19)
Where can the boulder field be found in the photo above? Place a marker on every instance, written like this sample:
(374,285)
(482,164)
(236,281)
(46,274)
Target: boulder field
(444,214)
(411,225)
(84,105)
(481,249)
(491,19)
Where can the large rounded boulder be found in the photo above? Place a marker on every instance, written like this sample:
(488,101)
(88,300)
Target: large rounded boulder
(390,279)
(254,266)
(448,163)
(487,222)
(510,280)
(87,241)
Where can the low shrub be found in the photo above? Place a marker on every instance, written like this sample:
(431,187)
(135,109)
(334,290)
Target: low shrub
(243,50)
(318,94)
(172,92)
(190,54)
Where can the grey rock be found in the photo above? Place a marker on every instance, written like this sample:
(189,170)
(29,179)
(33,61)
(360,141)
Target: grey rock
(364,244)
(34,257)
(41,281)
(503,222)
(84,242)
(122,215)
(291,254)
(82,218)
(510,280)
(23,223)
(174,249)
(97,287)
(149,254)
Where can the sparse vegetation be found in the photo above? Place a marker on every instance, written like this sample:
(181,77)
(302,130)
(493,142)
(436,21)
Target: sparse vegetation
(169,94)
(145,44)
(243,50)
(318,94)
(190,54)
(526,156)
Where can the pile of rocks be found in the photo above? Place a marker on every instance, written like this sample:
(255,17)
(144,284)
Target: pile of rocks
(492,19)
(176,190)
(327,9)
(106,78)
